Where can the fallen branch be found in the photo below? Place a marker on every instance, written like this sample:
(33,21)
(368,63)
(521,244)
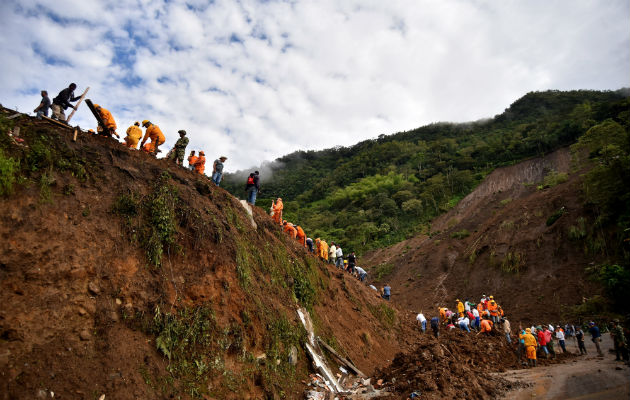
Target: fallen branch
(343,360)
(77,105)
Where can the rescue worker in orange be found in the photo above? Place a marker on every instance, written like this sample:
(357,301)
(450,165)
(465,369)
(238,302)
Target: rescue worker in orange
(460,308)
(134,134)
(324,247)
(486,326)
(300,236)
(109,127)
(192,159)
(493,307)
(200,163)
(288,228)
(154,133)
(318,247)
(530,346)
(277,211)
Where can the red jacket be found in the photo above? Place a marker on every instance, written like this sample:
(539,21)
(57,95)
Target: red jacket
(541,338)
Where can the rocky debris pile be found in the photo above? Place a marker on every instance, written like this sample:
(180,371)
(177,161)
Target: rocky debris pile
(353,388)
(457,365)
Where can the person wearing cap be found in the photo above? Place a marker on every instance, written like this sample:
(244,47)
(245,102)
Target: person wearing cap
(154,133)
(109,125)
(62,102)
(619,341)
(596,336)
(178,152)
(217,170)
(134,133)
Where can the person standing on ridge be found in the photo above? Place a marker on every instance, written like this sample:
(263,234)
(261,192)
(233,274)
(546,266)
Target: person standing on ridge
(62,102)
(300,236)
(332,254)
(339,258)
(44,105)
(134,134)
(249,187)
(253,190)
(179,150)
(192,159)
(352,261)
(324,247)
(155,134)
(217,170)
(200,163)
(277,211)
(309,244)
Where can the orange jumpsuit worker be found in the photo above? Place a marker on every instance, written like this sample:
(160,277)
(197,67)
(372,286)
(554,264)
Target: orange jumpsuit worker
(288,228)
(108,120)
(300,236)
(318,247)
(486,326)
(134,134)
(155,134)
(493,307)
(324,247)
(277,211)
(192,159)
(200,164)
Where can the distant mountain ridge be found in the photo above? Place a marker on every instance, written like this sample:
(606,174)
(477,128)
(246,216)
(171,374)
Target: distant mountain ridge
(382,190)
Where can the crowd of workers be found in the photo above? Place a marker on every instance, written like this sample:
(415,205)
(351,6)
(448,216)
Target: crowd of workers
(153,134)
(487,317)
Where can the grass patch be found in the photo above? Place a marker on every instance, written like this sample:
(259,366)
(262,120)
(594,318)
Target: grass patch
(506,201)
(381,271)
(385,314)
(461,234)
(555,216)
(552,179)
(513,263)
(578,232)
(9,169)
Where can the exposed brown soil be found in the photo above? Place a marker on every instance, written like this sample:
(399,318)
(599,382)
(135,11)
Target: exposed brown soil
(76,287)
(456,365)
(506,220)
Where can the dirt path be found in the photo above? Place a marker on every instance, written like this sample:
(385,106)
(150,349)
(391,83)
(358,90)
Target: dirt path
(587,377)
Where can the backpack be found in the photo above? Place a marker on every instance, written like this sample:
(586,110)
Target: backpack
(250,180)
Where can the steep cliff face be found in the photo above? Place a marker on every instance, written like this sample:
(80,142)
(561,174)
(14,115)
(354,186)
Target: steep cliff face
(523,240)
(131,277)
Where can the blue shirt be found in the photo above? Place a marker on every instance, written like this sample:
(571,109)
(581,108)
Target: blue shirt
(595,332)
(387,290)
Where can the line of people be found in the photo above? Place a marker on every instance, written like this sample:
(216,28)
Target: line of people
(153,134)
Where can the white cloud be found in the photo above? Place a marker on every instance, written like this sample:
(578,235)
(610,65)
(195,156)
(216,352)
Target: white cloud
(256,80)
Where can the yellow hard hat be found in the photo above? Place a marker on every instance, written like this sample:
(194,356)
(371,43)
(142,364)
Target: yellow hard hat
(492,297)
(145,122)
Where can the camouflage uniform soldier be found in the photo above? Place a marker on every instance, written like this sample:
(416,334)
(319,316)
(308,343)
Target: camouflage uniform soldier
(179,151)
(619,340)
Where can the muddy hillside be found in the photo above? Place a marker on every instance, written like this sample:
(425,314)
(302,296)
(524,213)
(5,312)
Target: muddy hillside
(523,235)
(128,276)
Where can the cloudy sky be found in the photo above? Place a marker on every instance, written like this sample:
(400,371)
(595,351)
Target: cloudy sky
(254,80)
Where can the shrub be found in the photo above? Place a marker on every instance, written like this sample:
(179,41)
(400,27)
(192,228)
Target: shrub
(461,234)
(8,174)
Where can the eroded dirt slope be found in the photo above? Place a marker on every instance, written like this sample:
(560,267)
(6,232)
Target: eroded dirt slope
(499,240)
(87,310)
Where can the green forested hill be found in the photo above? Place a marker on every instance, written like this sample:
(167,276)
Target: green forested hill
(380,191)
